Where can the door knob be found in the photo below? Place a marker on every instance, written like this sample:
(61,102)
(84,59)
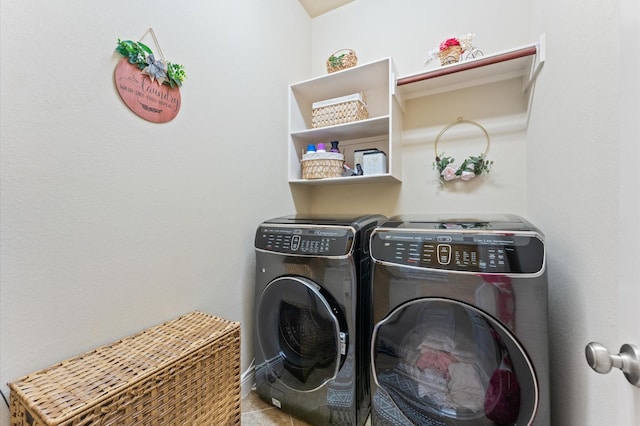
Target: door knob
(602,361)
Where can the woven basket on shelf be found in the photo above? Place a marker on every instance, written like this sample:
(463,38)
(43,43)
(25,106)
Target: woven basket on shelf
(320,166)
(341,60)
(182,372)
(450,55)
(339,111)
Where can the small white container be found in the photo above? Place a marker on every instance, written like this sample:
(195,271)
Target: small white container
(373,162)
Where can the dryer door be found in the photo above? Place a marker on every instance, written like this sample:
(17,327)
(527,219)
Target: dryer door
(438,361)
(302,333)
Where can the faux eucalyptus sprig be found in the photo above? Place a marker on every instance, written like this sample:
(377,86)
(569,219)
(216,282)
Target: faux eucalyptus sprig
(140,55)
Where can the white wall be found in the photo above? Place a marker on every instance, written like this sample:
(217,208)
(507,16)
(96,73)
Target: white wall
(566,179)
(110,223)
(629,154)
(575,156)
(407,30)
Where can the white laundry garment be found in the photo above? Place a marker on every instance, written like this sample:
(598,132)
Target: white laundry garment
(465,386)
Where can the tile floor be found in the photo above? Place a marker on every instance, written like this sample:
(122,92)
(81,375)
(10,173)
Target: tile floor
(256,412)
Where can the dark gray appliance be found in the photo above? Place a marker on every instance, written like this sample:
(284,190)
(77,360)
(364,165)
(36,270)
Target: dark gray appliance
(313,322)
(460,322)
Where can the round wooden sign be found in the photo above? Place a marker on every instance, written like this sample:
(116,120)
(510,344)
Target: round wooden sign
(146,98)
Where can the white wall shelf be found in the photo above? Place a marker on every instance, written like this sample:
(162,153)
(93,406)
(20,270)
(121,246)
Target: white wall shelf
(357,129)
(382,130)
(524,62)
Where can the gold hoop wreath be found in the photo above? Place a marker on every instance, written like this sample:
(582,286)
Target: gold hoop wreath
(471,166)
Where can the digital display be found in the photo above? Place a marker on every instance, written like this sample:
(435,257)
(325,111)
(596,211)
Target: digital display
(464,256)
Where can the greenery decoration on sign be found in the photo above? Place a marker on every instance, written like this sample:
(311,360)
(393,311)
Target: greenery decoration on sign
(158,70)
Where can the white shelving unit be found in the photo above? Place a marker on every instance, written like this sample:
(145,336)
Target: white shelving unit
(385,95)
(382,130)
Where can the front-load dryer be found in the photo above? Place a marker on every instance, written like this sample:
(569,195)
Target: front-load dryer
(312,318)
(460,322)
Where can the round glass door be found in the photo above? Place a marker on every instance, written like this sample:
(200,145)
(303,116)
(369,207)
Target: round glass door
(443,362)
(301,332)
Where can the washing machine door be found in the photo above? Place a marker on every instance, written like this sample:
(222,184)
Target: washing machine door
(302,333)
(438,361)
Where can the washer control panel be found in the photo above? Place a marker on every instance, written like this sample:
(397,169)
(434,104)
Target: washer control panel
(300,240)
(468,252)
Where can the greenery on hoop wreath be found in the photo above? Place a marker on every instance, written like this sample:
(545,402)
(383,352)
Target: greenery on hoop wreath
(470,167)
(141,56)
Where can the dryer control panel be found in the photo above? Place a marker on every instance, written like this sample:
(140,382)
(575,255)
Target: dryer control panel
(301,240)
(459,251)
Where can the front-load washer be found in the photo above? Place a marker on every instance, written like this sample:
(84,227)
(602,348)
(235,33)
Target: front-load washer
(312,318)
(460,322)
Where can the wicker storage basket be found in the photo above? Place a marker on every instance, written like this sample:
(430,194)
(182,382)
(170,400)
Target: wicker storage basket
(320,166)
(345,109)
(183,372)
(341,60)
(450,55)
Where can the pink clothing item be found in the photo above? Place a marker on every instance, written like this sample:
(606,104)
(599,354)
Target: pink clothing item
(436,361)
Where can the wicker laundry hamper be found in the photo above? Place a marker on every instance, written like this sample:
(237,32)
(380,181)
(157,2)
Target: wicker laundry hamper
(183,372)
